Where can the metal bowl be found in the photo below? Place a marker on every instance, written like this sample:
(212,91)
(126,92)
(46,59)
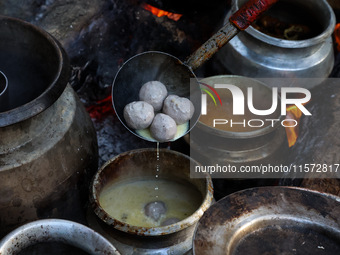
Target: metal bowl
(172,239)
(56,230)
(142,163)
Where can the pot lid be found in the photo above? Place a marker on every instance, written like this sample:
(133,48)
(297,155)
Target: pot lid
(36,68)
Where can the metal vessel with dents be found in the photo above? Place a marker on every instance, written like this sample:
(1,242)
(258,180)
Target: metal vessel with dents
(48,145)
(56,231)
(256,54)
(270,220)
(172,239)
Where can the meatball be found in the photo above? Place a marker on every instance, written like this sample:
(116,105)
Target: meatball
(180,109)
(163,127)
(155,210)
(154,93)
(138,114)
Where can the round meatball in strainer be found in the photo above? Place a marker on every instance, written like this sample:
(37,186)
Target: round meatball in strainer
(163,128)
(138,114)
(154,93)
(180,109)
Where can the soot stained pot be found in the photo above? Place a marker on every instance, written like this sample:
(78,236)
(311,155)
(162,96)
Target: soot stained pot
(128,239)
(48,145)
(52,232)
(270,220)
(212,146)
(256,54)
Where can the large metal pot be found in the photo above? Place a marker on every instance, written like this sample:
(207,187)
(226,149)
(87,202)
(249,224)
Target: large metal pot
(239,147)
(48,145)
(128,239)
(53,232)
(211,145)
(256,54)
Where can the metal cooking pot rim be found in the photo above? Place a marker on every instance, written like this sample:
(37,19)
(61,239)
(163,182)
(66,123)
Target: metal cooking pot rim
(247,208)
(52,93)
(148,231)
(6,83)
(56,230)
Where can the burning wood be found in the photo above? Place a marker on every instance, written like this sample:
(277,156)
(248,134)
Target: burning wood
(160,13)
(293,112)
(337,36)
(101,108)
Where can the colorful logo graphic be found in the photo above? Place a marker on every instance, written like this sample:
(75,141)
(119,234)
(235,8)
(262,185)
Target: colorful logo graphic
(209,93)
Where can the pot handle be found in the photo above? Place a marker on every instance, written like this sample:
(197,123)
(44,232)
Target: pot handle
(240,20)
(249,12)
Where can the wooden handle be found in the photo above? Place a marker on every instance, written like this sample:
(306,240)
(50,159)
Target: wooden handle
(238,21)
(249,12)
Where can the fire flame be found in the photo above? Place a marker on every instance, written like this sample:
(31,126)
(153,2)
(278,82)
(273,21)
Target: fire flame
(101,108)
(160,13)
(295,113)
(337,36)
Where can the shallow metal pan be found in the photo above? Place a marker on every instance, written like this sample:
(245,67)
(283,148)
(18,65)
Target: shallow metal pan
(270,221)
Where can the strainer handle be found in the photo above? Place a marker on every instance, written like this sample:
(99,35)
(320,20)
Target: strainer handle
(238,21)
(249,12)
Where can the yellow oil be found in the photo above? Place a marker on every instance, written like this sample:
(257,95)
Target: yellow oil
(125,201)
(181,130)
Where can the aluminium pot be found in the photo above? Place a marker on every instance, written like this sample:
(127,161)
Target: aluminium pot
(238,146)
(255,54)
(48,145)
(240,143)
(48,234)
(173,239)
